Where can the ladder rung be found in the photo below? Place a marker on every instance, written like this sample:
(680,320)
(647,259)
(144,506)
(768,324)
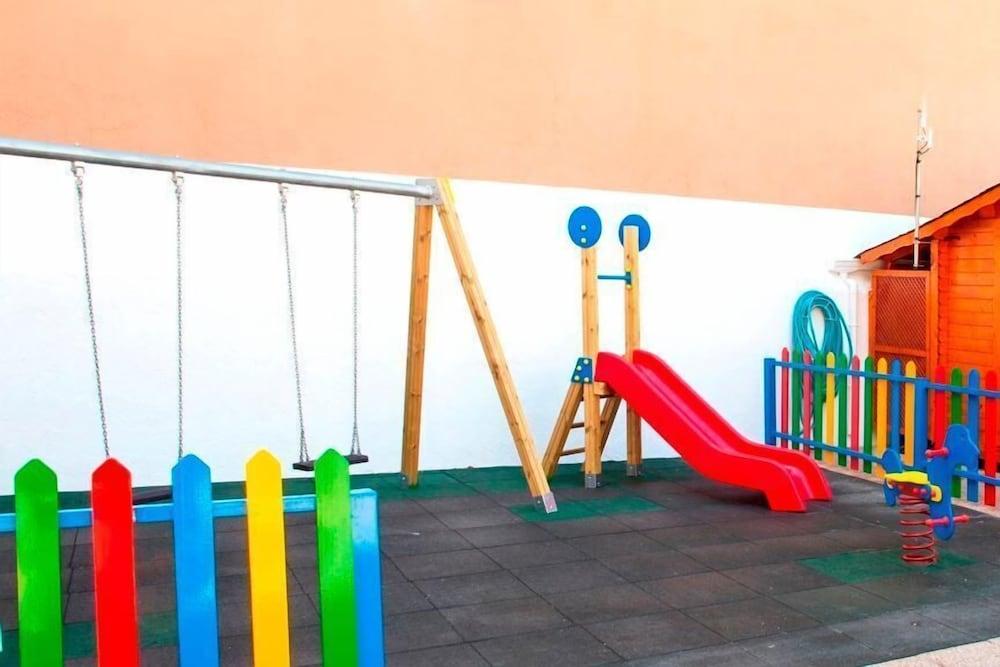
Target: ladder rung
(577,425)
(576,450)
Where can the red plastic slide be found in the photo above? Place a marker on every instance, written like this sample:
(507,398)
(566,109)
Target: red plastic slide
(789,479)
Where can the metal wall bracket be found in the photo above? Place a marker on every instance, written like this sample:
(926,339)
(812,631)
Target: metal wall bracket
(435,197)
(583,372)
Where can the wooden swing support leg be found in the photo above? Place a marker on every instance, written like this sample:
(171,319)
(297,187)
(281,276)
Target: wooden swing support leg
(538,484)
(416,342)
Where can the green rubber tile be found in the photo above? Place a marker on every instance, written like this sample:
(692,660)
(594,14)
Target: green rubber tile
(568,511)
(569,469)
(74,499)
(424,492)
(472,475)
(158,629)
(498,485)
(857,566)
(564,481)
(228,490)
(68,500)
(674,463)
(378,481)
(9,656)
(620,505)
(79,640)
(298,486)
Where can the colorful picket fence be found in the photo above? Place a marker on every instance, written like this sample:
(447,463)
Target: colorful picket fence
(349,570)
(848,414)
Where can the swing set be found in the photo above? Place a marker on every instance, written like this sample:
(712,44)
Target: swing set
(428,195)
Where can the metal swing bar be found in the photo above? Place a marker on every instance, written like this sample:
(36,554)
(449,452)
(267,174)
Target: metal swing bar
(52,151)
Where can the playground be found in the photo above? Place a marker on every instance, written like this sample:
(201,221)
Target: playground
(499,334)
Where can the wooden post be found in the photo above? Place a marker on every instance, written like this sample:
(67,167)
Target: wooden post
(591,401)
(608,413)
(633,430)
(514,411)
(419,284)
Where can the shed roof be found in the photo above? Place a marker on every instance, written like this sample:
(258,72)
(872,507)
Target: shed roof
(969,207)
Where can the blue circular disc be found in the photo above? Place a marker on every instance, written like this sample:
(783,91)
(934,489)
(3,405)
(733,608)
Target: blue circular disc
(584,226)
(635,220)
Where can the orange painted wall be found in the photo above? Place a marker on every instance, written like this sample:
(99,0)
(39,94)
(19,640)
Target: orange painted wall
(766,100)
(969,295)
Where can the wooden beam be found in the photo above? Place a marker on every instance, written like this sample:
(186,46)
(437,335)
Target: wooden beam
(564,422)
(608,413)
(603,390)
(513,410)
(423,219)
(591,401)
(633,429)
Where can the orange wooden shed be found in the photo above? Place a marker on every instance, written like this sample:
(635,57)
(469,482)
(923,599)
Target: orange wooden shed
(947,311)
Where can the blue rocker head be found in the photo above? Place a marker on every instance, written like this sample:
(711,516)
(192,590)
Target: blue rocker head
(933,483)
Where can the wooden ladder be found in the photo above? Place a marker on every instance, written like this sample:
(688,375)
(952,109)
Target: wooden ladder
(567,421)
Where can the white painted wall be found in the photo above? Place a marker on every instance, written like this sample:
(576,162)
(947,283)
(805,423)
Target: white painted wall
(719,281)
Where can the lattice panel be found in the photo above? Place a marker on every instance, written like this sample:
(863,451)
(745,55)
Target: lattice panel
(901,312)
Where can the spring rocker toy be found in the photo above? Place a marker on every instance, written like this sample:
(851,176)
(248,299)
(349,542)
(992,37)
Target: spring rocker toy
(924,496)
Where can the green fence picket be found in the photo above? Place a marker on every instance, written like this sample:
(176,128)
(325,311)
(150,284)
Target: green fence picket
(956,418)
(39,586)
(335,561)
(869,409)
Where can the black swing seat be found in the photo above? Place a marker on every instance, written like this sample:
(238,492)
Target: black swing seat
(310,465)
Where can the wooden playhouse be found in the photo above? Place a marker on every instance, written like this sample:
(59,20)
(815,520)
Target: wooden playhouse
(947,311)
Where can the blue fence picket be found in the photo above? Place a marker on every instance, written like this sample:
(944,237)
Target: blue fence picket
(367,577)
(920,423)
(770,408)
(895,391)
(194,556)
(972,421)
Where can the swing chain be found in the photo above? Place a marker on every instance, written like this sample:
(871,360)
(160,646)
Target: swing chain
(178,180)
(355,438)
(303,449)
(78,172)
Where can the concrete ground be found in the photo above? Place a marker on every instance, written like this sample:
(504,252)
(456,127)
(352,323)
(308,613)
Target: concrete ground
(673,570)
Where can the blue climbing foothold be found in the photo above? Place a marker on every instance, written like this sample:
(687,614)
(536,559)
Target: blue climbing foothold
(635,220)
(584,227)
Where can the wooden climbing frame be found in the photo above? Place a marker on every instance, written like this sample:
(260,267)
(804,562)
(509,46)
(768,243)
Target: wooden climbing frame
(597,418)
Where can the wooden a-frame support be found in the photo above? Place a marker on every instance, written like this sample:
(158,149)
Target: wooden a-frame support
(597,419)
(538,484)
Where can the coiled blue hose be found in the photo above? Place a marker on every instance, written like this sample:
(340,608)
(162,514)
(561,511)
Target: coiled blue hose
(835,331)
